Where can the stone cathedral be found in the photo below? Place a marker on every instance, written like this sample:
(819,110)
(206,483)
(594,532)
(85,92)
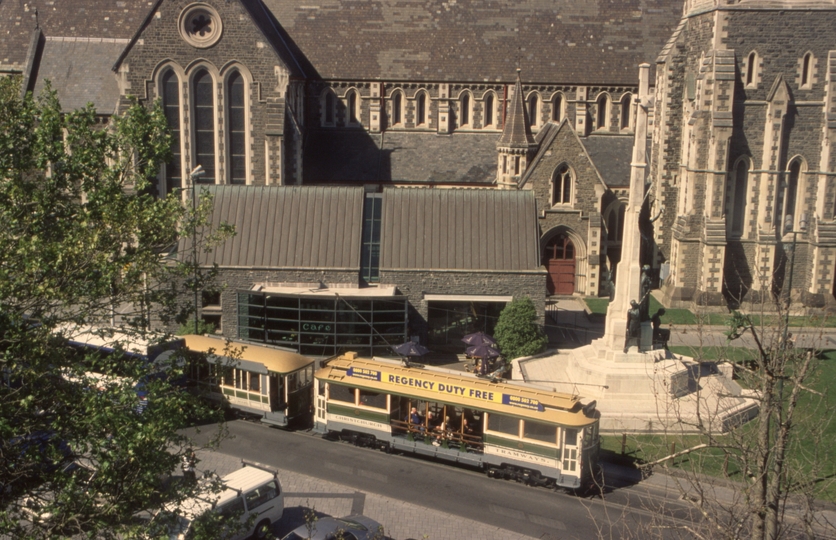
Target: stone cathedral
(433,160)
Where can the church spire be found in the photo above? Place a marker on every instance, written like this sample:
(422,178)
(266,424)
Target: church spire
(516,146)
(517,130)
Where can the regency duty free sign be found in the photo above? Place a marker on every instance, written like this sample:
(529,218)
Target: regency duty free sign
(445,388)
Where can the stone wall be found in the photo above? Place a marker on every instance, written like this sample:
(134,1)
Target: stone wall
(418,283)
(780,38)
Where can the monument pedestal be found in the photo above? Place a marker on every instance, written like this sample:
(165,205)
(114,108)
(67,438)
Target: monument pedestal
(642,392)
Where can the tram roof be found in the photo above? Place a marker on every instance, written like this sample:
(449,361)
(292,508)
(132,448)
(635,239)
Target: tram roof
(424,384)
(275,360)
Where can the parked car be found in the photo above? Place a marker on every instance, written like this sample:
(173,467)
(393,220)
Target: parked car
(252,494)
(346,528)
(42,506)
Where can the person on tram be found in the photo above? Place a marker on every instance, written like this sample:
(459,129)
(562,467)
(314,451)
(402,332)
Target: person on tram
(415,421)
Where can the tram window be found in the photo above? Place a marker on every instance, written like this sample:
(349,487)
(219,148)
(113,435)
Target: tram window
(373,399)
(540,432)
(341,393)
(293,382)
(504,424)
(229,376)
(254,382)
(321,388)
(571,437)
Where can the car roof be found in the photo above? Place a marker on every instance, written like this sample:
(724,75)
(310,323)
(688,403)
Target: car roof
(244,479)
(324,527)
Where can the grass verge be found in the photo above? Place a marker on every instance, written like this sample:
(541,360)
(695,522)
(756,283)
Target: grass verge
(812,455)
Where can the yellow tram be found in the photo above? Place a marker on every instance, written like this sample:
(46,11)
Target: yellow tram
(268,382)
(510,429)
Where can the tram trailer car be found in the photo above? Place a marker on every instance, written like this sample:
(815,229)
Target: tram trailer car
(270,383)
(512,430)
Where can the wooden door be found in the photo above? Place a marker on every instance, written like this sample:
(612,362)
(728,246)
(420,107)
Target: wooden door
(559,259)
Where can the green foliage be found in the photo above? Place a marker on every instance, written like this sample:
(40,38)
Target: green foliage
(83,240)
(203,327)
(517,331)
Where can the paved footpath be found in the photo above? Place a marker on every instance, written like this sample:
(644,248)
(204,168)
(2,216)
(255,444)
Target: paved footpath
(401,520)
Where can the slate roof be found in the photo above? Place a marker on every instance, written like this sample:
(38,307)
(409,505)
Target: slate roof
(561,41)
(333,156)
(286,227)
(461,229)
(65,18)
(79,70)
(612,156)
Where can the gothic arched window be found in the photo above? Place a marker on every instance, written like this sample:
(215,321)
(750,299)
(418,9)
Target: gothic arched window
(602,112)
(626,111)
(330,106)
(557,108)
(789,203)
(562,185)
(237,128)
(397,108)
(171,107)
(464,114)
(807,70)
(489,106)
(421,109)
(351,105)
(204,124)
(736,191)
(751,67)
(533,110)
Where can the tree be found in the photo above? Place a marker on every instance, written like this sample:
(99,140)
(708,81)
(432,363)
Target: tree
(758,479)
(83,242)
(517,331)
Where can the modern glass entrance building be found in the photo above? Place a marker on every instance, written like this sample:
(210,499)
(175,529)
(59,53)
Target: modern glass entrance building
(326,322)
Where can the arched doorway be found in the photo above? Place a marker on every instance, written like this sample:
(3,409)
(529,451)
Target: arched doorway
(559,259)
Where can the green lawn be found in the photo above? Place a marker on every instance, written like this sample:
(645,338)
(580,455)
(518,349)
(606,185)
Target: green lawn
(814,414)
(680,317)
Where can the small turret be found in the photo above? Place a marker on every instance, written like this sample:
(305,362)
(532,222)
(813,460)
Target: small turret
(516,146)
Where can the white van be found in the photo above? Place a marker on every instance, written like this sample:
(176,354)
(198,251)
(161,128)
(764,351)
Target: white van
(251,490)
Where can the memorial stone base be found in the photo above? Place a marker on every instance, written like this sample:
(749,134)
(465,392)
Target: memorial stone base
(653,391)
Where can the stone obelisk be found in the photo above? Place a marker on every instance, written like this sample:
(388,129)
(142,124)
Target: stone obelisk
(629,272)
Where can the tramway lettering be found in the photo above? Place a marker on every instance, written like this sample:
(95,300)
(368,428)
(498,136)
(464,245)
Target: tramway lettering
(445,388)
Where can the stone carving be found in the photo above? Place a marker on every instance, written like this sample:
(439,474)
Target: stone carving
(634,325)
(645,285)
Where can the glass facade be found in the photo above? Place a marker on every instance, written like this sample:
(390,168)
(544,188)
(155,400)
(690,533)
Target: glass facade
(370,252)
(323,326)
(449,322)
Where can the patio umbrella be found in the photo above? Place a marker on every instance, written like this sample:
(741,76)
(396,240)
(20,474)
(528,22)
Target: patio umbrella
(410,348)
(479,338)
(485,352)
(482,351)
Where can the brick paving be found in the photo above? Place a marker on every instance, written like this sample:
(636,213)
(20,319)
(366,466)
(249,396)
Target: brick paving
(401,520)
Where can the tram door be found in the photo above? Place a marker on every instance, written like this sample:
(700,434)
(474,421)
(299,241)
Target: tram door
(320,401)
(275,392)
(570,450)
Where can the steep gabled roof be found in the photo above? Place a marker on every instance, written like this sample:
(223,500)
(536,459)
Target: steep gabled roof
(345,156)
(79,70)
(546,139)
(101,19)
(566,41)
